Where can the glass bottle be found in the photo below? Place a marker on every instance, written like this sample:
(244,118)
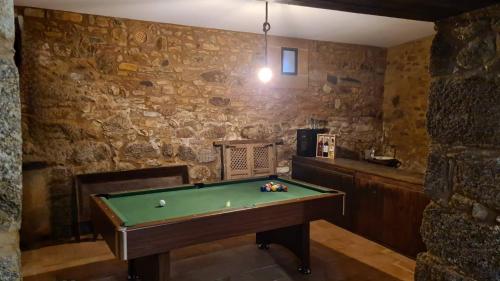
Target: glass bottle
(320,147)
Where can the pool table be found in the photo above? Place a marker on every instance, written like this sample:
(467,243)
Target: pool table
(138,229)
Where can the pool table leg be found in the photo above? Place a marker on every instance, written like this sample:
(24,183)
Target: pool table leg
(154,268)
(295,238)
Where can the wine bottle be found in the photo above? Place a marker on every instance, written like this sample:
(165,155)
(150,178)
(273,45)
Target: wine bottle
(325,149)
(331,152)
(320,147)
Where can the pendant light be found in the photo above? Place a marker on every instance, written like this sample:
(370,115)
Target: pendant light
(265,74)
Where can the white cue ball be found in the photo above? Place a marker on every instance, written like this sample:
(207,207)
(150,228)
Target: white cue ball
(228,204)
(162,203)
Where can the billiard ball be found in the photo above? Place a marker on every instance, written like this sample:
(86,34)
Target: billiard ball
(228,204)
(162,203)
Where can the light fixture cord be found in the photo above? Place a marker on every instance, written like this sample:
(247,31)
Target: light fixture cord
(266,27)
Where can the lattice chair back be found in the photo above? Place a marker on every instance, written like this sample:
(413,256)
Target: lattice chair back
(263,160)
(249,160)
(237,162)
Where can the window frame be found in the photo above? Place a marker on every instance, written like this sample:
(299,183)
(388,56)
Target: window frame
(296,51)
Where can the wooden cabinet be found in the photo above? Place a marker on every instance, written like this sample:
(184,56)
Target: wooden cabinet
(380,205)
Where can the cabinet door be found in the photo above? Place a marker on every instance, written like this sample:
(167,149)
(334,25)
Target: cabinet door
(396,219)
(403,210)
(332,179)
(368,209)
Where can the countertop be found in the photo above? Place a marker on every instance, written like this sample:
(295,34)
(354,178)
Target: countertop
(367,168)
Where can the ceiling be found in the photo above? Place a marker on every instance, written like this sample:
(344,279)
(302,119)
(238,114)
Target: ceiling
(248,16)
(427,10)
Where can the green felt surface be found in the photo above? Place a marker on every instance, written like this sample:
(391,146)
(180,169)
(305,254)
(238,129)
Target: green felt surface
(136,208)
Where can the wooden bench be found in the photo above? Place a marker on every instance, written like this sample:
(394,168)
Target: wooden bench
(105,182)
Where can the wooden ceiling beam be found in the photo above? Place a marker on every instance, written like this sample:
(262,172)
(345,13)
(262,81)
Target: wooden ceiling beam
(423,10)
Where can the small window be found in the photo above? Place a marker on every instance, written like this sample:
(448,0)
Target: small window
(289,58)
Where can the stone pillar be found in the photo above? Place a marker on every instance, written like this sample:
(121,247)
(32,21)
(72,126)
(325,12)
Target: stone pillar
(10,149)
(461,227)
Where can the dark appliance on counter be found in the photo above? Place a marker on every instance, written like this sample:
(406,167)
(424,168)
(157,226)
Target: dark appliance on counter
(306,141)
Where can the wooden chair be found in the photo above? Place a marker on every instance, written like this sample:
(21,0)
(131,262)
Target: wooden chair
(87,184)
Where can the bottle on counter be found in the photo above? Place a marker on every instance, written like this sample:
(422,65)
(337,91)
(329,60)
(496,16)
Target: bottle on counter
(325,148)
(331,148)
(320,148)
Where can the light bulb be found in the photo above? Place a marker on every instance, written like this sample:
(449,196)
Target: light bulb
(265,74)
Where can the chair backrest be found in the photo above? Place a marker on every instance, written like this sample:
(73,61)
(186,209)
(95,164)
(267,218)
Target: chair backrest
(247,158)
(106,182)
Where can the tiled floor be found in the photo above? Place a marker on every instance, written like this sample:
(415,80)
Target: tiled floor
(336,254)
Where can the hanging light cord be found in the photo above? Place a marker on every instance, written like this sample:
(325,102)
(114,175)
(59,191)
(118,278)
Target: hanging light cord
(266,27)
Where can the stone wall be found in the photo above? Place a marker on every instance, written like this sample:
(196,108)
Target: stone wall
(406,92)
(103,94)
(461,227)
(10,149)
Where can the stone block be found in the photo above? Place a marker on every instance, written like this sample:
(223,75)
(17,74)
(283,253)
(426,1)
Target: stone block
(206,156)
(437,178)
(462,242)
(167,150)
(258,132)
(327,89)
(477,175)
(6,25)
(10,268)
(119,36)
(91,152)
(33,12)
(67,16)
(146,83)
(185,153)
(464,111)
(332,79)
(478,52)
(210,47)
(127,66)
(468,29)
(102,21)
(219,101)
(117,124)
(443,52)
(283,170)
(10,144)
(188,90)
(215,76)
(140,151)
(214,132)
(199,173)
(185,132)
